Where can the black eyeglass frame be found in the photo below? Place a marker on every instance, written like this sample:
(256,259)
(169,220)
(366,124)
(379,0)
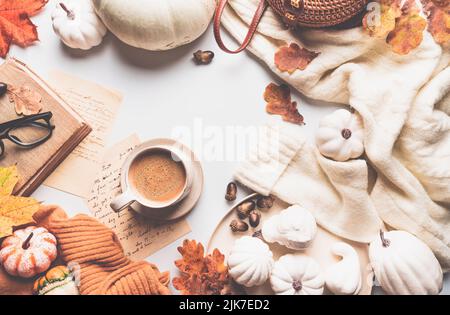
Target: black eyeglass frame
(32,120)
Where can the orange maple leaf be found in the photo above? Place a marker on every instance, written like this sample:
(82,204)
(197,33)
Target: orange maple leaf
(409,27)
(380,20)
(293,57)
(15,24)
(438,12)
(279,102)
(201,275)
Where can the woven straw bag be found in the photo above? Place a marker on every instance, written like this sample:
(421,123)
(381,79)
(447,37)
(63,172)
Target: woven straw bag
(306,13)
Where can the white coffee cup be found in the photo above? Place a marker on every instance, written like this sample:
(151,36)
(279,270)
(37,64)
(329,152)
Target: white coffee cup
(130,194)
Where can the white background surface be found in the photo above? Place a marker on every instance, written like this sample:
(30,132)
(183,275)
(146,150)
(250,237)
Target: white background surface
(163,91)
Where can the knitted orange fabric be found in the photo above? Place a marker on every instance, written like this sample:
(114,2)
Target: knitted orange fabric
(104,269)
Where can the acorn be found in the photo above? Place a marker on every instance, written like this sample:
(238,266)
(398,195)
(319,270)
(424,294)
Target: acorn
(265,202)
(238,226)
(244,209)
(254,218)
(203,57)
(231,191)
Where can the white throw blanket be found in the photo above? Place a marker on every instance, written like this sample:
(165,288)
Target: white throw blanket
(404,178)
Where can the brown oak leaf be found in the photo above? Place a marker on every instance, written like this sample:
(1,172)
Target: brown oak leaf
(201,275)
(26,100)
(438,12)
(278,98)
(293,57)
(409,27)
(15,24)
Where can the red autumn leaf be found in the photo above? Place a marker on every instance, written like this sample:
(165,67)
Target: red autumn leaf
(438,12)
(293,57)
(279,102)
(15,24)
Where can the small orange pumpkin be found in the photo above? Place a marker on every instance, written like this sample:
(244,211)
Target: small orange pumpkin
(28,252)
(57,281)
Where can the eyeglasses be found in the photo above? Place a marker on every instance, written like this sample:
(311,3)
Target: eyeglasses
(27,132)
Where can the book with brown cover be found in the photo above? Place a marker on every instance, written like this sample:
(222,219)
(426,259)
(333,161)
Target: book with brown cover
(37,163)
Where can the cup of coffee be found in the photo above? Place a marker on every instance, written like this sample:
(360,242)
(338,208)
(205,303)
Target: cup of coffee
(155,176)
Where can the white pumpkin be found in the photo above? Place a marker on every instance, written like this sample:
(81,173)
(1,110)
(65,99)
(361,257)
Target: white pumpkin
(296,274)
(341,136)
(294,227)
(156,24)
(28,252)
(403,264)
(344,277)
(250,261)
(77,24)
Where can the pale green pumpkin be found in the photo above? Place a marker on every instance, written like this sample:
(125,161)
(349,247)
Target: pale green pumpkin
(156,24)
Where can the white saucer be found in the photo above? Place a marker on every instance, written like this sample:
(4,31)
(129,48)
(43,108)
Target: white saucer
(188,203)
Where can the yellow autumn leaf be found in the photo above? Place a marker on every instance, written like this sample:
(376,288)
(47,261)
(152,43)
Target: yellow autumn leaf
(408,32)
(380,20)
(9,177)
(16,211)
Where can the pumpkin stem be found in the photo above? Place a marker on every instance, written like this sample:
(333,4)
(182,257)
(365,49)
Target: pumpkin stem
(297,285)
(26,244)
(384,240)
(346,133)
(70,13)
(258,234)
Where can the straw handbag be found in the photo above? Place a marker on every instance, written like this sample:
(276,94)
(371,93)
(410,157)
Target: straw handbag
(307,13)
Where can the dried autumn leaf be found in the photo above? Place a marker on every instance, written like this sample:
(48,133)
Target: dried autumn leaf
(380,20)
(192,257)
(438,20)
(201,275)
(16,211)
(293,57)
(15,24)
(279,102)
(408,31)
(26,100)
(9,177)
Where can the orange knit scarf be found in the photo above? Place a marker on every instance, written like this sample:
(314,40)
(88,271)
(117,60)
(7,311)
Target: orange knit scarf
(104,269)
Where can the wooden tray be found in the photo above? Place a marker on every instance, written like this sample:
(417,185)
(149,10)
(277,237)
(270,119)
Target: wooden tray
(223,239)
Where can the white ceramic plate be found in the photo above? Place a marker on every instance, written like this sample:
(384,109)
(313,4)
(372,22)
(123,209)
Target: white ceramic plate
(223,239)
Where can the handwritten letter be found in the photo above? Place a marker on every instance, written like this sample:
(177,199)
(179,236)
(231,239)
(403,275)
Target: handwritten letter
(98,106)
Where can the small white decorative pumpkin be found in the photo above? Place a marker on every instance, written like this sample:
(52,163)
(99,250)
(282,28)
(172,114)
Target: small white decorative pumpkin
(405,265)
(156,24)
(76,23)
(341,136)
(344,277)
(294,227)
(296,274)
(28,252)
(250,261)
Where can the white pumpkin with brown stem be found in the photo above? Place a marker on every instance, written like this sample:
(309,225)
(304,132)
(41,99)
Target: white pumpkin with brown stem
(296,274)
(405,265)
(156,24)
(341,136)
(77,24)
(28,252)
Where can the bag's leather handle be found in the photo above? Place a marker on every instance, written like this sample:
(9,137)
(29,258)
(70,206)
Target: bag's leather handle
(251,31)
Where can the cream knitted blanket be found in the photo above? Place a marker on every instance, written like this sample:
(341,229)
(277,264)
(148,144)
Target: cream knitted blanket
(404,178)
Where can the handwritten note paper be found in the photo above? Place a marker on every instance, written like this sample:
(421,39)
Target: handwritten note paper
(139,237)
(98,106)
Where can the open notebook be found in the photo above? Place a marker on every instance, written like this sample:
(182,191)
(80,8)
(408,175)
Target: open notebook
(36,164)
